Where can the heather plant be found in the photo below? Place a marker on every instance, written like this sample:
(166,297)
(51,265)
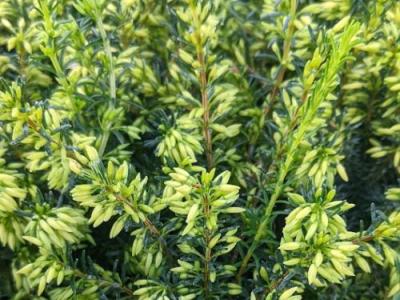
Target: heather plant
(194,149)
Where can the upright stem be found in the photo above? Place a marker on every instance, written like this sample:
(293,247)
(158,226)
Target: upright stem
(285,57)
(199,44)
(321,90)
(112,81)
(275,89)
(52,53)
(107,50)
(281,145)
(104,141)
(263,225)
(206,109)
(59,72)
(283,170)
(207,139)
(207,256)
(21,60)
(282,68)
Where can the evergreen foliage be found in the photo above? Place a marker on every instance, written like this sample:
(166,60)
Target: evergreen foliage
(196,149)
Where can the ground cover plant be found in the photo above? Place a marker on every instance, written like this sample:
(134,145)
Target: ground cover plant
(183,149)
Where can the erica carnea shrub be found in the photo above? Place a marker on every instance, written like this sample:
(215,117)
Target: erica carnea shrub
(183,149)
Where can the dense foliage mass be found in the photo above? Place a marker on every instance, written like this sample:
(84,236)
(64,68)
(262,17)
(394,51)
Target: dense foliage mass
(183,149)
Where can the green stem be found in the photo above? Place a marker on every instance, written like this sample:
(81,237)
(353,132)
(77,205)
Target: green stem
(306,115)
(207,255)
(112,82)
(206,109)
(107,50)
(207,139)
(203,86)
(285,57)
(266,218)
(297,137)
(52,54)
(104,141)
